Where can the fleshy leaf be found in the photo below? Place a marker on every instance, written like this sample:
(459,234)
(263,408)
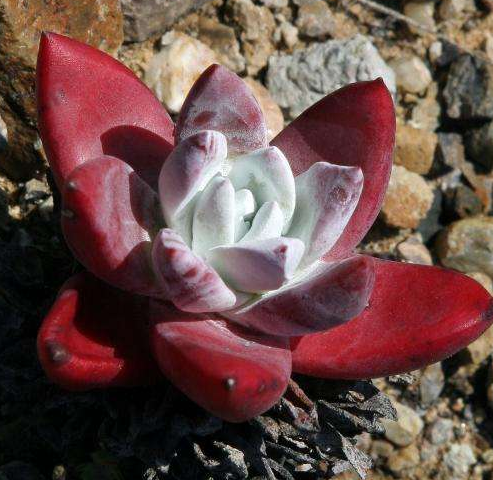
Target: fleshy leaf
(233,374)
(220,100)
(267,174)
(89,104)
(188,170)
(257,266)
(214,216)
(326,196)
(95,336)
(267,223)
(191,284)
(245,207)
(328,296)
(354,126)
(108,216)
(417,315)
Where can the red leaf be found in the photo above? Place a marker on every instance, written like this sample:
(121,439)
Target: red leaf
(108,217)
(95,336)
(354,126)
(220,100)
(232,374)
(331,295)
(417,315)
(89,104)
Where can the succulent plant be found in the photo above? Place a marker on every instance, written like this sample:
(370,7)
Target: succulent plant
(223,262)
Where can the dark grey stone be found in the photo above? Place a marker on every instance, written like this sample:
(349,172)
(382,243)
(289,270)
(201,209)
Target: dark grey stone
(145,18)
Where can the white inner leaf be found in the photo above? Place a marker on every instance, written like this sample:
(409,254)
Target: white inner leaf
(326,197)
(267,174)
(258,266)
(267,223)
(214,216)
(186,172)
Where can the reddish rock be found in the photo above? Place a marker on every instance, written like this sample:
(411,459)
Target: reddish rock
(97,22)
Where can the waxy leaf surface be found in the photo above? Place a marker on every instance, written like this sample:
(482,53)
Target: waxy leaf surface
(89,104)
(330,295)
(233,374)
(187,280)
(417,315)
(95,336)
(221,101)
(109,215)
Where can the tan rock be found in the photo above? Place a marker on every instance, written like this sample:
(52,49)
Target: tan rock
(97,22)
(272,113)
(412,250)
(256,25)
(406,429)
(467,245)
(223,41)
(426,112)
(431,383)
(408,199)
(415,148)
(173,71)
(411,74)
(451,9)
(421,12)
(289,34)
(381,449)
(315,19)
(403,459)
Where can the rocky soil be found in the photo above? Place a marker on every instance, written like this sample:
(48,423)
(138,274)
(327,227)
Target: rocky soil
(437,60)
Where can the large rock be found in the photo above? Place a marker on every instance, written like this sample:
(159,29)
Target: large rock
(146,18)
(222,39)
(172,72)
(467,245)
(468,93)
(408,199)
(299,80)
(256,25)
(97,22)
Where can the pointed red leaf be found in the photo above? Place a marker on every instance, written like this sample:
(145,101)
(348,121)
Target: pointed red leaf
(89,104)
(417,315)
(96,336)
(232,374)
(329,296)
(220,100)
(354,126)
(108,215)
